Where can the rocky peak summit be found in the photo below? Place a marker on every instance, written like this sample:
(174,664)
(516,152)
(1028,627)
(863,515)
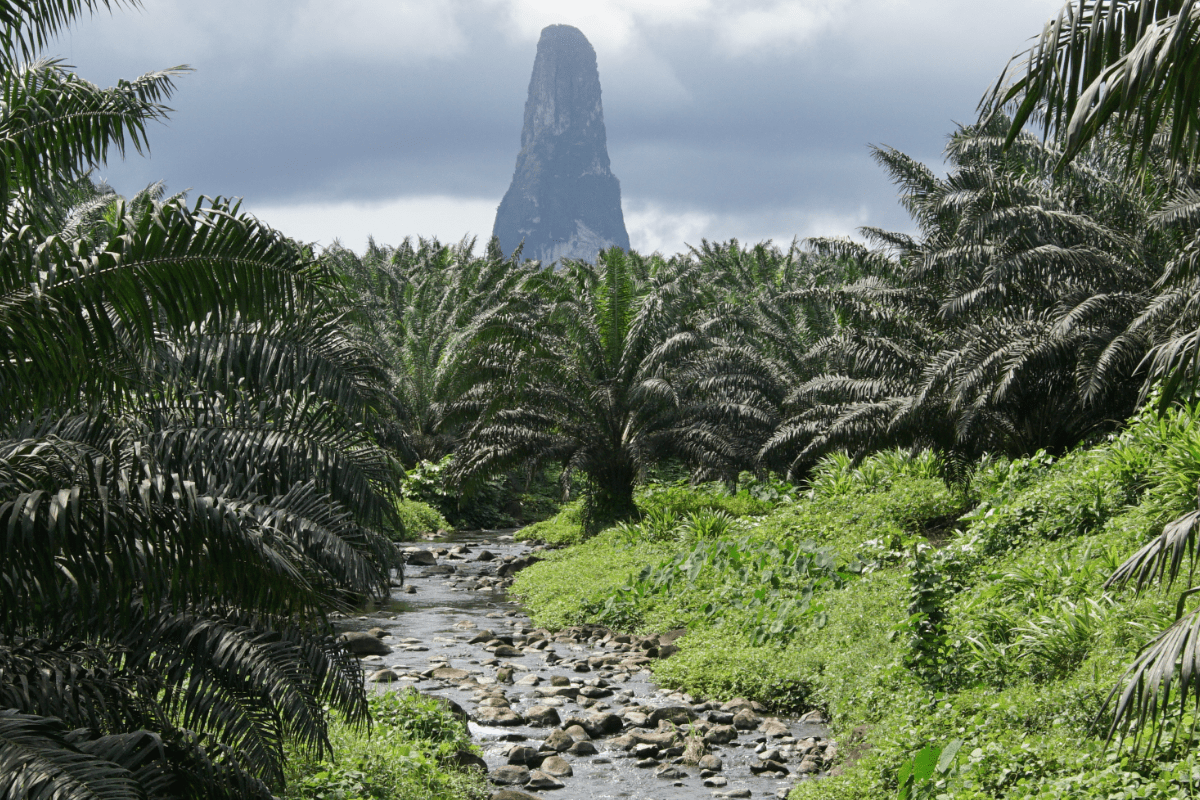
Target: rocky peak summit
(564,201)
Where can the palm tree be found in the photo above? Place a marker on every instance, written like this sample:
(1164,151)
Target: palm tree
(594,368)
(187,473)
(1130,63)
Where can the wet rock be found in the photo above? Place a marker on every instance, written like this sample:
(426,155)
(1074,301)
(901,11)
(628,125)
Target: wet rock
(542,716)
(383,676)
(670,773)
(769,766)
(774,729)
(529,680)
(745,720)
(582,749)
(450,674)
(558,741)
(720,717)
(482,636)
(603,724)
(440,569)
(515,566)
(815,717)
(361,643)
(465,760)
(711,762)
(560,680)
(577,733)
(715,782)
(808,765)
(721,734)
(514,794)
(596,692)
(637,719)
(503,717)
(557,766)
(540,780)
(485,555)
(645,751)
(509,775)
(421,558)
(507,651)
(504,675)
(378,633)
(410,589)
(736,793)
(524,756)
(678,715)
(646,763)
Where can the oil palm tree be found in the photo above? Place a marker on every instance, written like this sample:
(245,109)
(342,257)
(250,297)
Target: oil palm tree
(593,367)
(187,478)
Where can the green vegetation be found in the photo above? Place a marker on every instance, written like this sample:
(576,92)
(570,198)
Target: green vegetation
(210,432)
(926,621)
(408,754)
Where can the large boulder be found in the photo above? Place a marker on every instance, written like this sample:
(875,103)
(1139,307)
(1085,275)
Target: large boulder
(361,643)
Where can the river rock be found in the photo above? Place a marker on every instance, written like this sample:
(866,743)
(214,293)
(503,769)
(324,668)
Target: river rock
(504,675)
(485,555)
(410,589)
(557,766)
(542,716)
(558,741)
(670,773)
(509,775)
(721,734)
(774,729)
(378,633)
(450,674)
(711,762)
(745,720)
(808,765)
(383,676)
(720,717)
(361,643)
(715,782)
(815,717)
(769,766)
(514,794)
(560,680)
(482,636)
(464,760)
(524,756)
(540,780)
(582,749)
(506,651)
(678,715)
(503,717)
(421,558)
(577,733)
(637,719)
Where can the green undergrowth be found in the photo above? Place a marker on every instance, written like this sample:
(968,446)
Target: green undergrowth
(418,518)
(405,755)
(961,640)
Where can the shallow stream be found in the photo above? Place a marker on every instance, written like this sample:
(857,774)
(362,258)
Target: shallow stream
(431,628)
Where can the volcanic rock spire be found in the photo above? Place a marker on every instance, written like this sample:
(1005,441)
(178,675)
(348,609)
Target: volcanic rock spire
(564,201)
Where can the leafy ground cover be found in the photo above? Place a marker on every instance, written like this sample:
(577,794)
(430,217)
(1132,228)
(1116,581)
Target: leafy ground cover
(962,641)
(407,754)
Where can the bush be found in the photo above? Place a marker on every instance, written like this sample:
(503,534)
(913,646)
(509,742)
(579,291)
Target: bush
(418,518)
(405,756)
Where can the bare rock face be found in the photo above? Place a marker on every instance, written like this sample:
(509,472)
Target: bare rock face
(564,201)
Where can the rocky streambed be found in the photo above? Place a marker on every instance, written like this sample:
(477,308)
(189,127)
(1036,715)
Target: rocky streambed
(571,714)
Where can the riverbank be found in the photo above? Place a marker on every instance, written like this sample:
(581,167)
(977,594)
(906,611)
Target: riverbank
(572,713)
(960,640)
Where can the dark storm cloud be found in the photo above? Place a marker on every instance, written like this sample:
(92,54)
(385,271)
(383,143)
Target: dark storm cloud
(714,111)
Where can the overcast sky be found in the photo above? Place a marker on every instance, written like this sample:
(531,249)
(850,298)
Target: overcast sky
(726,118)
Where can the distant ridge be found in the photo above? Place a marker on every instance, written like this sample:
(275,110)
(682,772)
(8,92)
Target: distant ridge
(564,201)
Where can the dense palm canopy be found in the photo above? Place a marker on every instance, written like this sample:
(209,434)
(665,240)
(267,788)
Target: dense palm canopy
(188,472)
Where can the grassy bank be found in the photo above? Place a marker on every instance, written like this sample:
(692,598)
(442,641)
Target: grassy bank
(971,623)
(409,753)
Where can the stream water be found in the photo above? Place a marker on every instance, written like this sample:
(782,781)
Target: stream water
(431,628)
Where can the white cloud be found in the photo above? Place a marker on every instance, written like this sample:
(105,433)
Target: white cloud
(389,222)
(656,227)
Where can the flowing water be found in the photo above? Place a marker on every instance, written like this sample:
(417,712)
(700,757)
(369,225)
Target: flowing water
(432,628)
